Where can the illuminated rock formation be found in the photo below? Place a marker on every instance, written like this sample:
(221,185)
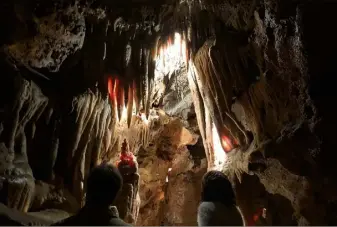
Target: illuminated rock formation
(245,87)
(128,201)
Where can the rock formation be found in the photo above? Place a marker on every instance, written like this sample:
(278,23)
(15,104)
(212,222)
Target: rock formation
(245,87)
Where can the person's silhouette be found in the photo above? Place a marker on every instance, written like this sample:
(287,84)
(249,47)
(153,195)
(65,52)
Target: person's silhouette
(218,203)
(103,184)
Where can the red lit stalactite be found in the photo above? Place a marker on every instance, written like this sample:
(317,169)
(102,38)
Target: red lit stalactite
(113,85)
(121,100)
(169,41)
(110,87)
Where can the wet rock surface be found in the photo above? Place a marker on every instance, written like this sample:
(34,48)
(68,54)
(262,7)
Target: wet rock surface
(58,35)
(271,94)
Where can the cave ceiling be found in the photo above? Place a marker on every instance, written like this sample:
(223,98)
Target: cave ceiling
(249,82)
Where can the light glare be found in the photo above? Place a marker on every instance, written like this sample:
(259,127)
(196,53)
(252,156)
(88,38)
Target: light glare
(171,56)
(219,154)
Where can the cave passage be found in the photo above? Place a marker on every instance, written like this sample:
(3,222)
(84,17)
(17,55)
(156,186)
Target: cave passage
(166,91)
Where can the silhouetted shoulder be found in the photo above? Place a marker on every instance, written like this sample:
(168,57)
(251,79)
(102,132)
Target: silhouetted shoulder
(218,214)
(90,217)
(118,222)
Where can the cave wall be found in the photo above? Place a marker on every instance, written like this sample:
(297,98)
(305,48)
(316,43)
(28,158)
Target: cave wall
(167,195)
(277,106)
(86,138)
(281,108)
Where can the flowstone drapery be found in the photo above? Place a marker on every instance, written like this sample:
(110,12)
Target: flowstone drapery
(17,177)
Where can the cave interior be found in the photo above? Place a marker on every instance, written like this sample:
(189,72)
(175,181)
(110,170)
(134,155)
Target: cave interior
(240,86)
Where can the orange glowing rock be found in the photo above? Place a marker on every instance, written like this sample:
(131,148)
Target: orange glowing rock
(169,42)
(135,96)
(226,144)
(110,87)
(126,157)
(257,215)
(121,101)
(115,88)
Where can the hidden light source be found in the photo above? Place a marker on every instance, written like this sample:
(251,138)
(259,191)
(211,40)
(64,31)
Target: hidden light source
(110,87)
(220,155)
(168,173)
(226,143)
(172,55)
(143,117)
(117,95)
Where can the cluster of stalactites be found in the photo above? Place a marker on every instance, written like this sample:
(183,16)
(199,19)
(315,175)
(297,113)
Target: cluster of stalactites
(131,94)
(124,99)
(171,54)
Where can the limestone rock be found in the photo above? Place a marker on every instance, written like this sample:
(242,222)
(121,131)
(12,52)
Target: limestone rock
(59,35)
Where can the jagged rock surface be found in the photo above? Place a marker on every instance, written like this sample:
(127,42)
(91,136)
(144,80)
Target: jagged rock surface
(277,67)
(58,35)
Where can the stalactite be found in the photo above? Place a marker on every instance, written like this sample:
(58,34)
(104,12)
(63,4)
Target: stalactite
(130,105)
(28,105)
(96,137)
(136,103)
(135,72)
(112,129)
(101,126)
(107,136)
(236,76)
(84,135)
(209,137)
(115,100)
(201,63)
(143,79)
(146,83)
(150,81)
(199,108)
(214,78)
(104,52)
(84,106)
(121,101)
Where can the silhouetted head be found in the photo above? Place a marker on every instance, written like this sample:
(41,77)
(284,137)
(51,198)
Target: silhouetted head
(217,188)
(103,185)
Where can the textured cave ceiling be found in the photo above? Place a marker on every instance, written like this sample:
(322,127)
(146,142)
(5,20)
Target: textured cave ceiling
(252,94)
